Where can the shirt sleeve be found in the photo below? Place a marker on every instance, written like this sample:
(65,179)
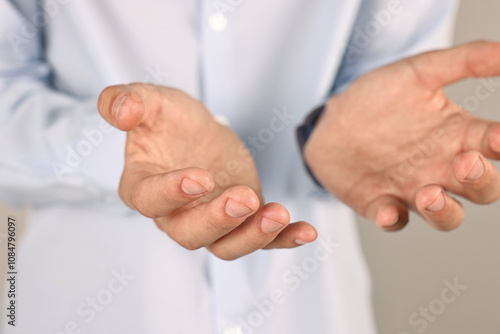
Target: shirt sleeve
(50,141)
(388,30)
(384,32)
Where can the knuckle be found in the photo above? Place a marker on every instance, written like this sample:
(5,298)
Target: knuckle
(219,226)
(168,197)
(140,204)
(223,253)
(186,242)
(159,225)
(122,193)
(183,235)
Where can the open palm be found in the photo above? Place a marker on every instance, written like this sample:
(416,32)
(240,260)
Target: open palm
(393,140)
(193,176)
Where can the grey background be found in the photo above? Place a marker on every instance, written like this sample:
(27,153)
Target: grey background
(409,267)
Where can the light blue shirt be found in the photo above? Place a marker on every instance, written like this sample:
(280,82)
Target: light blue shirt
(259,66)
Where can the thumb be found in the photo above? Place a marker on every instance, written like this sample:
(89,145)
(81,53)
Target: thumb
(438,69)
(122,106)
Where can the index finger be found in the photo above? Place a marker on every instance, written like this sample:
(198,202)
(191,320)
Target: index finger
(155,194)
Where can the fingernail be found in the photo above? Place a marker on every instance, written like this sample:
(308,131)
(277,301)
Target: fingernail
(117,106)
(191,187)
(438,204)
(300,242)
(269,226)
(477,171)
(235,209)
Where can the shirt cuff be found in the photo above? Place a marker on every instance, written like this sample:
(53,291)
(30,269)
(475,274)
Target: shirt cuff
(303,133)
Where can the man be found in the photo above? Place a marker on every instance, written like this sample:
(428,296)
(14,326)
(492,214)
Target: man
(385,143)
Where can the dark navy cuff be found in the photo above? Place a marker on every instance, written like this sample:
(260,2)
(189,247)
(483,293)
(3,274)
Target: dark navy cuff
(303,133)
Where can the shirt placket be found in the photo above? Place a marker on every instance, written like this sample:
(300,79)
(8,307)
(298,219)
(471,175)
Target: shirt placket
(229,281)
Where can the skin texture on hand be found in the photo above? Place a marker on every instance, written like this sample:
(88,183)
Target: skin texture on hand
(393,141)
(193,176)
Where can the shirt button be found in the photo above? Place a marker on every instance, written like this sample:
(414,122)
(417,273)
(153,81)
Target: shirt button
(221,119)
(233,329)
(217,22)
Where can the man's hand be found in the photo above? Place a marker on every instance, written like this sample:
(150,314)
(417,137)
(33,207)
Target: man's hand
(393,141)
(193,176)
